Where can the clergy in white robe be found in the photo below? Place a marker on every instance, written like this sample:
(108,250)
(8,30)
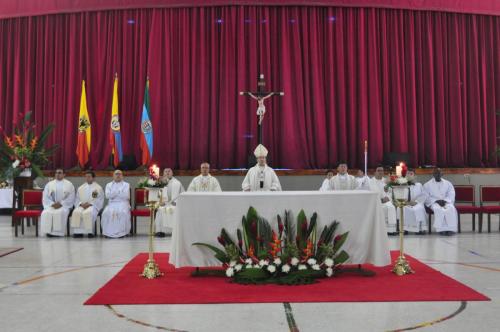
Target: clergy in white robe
(88,203)
(378,184)
(204,181)
(414,213)
(164,220)
(58,199)
(344,181)
(261,177)
(440,199)
(326,182)
(116,216)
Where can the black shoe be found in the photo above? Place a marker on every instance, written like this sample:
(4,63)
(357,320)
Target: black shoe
(421,233)
(160,234)
(90,236)
(443,233)
(406,233)
(50,235)
(77,236)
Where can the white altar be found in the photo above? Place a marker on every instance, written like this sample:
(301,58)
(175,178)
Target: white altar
(199,217)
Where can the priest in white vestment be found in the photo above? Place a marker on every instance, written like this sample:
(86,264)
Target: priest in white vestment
(164,220)
(378,183)
(344,181)
(88,203)
(58,199)
(261,177)
(414,213)
(440,199)
(204,181)
(326,182)
(116,216)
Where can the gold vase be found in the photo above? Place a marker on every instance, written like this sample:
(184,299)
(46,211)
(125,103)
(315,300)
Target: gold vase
(151,269)
(401,265)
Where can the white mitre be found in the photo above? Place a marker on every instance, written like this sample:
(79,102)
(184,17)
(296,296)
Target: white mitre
(260,151)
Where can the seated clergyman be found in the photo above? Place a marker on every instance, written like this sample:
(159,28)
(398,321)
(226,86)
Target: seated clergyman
(88,203)
(414,212)
(344,181)
(261,177)
(440,199)
(204,181)
(165,216)
(58,199)
(116,216)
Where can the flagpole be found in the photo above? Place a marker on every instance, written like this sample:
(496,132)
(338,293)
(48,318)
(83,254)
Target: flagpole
(366,158)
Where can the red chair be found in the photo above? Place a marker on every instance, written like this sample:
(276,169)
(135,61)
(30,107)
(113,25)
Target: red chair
(465,202)
(32,209)
(139,201)
(489,195)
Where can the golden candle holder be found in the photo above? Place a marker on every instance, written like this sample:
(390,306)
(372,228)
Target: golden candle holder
(151,269)
(401,265)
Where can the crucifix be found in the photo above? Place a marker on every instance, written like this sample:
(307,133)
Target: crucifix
(260,96)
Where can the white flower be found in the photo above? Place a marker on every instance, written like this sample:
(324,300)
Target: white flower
(15,163)
(249,266)
(263,262)
(316,267)
(230,272)
(271,268)
(256,266)
(302,267)
(151,182)
(402,180)
(248,261)
(294,261)
(277,261)
(285,268)
(311,261)
(238,267)
(232,263)
(329,272)
(329,262)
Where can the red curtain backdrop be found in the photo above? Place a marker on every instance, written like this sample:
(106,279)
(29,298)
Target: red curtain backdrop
(427,83)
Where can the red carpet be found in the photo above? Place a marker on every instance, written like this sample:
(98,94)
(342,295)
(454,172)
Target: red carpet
(178,287)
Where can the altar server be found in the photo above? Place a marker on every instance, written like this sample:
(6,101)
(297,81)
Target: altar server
(58,199)
(165,215)
(344,181)
(326,182)
(414,213)
(378,183)
(116,216)
(261,177)
(204,181)
(88,203)
(440,199)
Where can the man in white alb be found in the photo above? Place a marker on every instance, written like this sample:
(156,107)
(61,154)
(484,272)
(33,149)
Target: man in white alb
(88,203)
(204,181)
(344,181)
(440,199)
(261,177)
(414,213)
(326,182)
(116,216)
(378,183)
(165,215)
(58,199)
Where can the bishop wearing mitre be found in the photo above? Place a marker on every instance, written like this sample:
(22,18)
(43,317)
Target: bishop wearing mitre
(261,177)
(58,198)
(88,203)
(165,216)
(204,181)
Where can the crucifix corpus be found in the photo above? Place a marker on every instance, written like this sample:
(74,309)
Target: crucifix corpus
(260,96)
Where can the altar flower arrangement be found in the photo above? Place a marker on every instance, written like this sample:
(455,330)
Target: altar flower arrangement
(290,255)
(153,180)
(400,178)
(24,150)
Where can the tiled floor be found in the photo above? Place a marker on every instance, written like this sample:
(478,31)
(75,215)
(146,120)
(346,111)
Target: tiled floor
(42,288)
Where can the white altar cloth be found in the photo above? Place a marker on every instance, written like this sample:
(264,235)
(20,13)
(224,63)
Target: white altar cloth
(6,198)
(199,217)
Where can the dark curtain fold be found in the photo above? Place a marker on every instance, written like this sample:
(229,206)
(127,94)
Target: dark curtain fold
(426,83)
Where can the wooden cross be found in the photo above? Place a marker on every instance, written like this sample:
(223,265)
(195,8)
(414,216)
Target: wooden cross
(260,96)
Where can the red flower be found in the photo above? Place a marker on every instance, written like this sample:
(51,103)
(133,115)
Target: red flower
(221,240)
(337,238)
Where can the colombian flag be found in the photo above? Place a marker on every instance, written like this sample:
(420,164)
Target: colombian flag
(84,132)
(115,136)
(146,128)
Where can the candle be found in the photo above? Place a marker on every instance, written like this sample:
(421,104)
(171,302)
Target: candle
(399,170)
(366,146)
(366,158)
